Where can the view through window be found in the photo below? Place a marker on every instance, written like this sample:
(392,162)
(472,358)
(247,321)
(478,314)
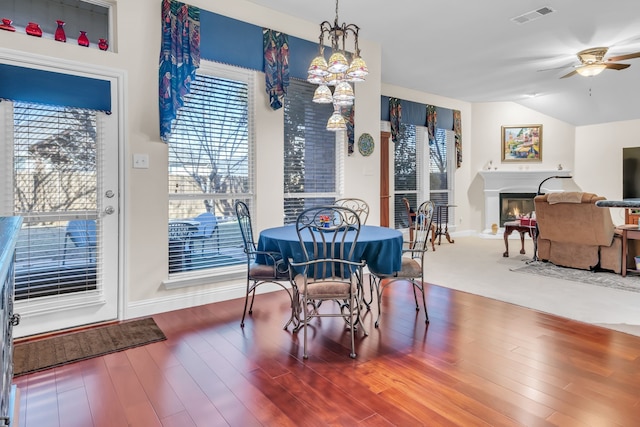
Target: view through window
(409,170)
(210,167)
(312,157)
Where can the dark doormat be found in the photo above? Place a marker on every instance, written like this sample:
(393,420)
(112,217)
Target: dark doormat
(34,356)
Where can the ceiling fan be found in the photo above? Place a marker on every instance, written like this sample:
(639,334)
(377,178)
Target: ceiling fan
(592,62)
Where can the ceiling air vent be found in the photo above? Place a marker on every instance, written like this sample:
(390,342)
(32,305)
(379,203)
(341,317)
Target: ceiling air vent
(532,16)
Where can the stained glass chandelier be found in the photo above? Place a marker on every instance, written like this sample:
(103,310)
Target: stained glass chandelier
(337,72)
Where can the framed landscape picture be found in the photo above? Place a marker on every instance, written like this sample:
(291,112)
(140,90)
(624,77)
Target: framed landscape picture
(522,143)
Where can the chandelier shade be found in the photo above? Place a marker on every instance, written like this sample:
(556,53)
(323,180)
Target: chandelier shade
(358,69)
(337,63)
(318,66)
(343,93)
(336,122)
(333,79)
(322,95)
(316,80)
(337,71)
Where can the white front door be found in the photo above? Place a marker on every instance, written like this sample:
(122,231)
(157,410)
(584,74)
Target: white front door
(62,178)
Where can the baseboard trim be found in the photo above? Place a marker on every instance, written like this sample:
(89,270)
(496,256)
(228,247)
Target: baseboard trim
(193,299)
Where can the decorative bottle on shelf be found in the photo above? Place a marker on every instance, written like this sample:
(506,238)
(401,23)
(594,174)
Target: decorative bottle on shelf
(6,25)
(103,45)
(60,35)
(34,29)
(83,40)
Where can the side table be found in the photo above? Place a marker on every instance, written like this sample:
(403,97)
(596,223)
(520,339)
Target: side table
(629,232)
(510,227)
(440,211)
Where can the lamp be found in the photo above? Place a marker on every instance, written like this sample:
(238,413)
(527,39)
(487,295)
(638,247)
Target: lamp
(337,71)
(547,179)
(590,70)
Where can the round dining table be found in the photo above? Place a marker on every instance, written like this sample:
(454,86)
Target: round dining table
(380,247)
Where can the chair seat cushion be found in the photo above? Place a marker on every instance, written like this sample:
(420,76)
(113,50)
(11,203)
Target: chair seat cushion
(326,288)
(410,268)
(262,271)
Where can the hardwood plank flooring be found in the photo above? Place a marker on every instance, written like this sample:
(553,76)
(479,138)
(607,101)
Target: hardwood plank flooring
(479,362)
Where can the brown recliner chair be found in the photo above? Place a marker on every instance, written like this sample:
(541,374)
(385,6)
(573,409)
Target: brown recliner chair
(574,232)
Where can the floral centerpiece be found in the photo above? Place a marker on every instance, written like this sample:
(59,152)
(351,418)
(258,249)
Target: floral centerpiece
(325,220)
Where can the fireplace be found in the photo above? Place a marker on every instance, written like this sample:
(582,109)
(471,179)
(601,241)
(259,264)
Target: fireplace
(497,182)
(514,205)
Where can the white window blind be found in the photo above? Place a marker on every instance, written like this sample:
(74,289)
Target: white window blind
(407,171)
(210,167)
(55,162)
(312,155)
(440,176)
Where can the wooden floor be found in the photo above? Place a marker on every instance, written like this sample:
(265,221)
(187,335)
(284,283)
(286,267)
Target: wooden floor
(479,362)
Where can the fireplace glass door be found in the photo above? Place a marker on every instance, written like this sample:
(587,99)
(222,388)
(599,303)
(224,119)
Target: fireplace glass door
(515,205)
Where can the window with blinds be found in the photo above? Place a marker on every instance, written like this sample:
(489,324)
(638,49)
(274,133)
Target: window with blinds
(210,167)
(312,154)
(412,163)
(439,169)
(407,173)
(55,180)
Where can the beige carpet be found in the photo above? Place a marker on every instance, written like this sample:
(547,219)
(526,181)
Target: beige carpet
(476,265)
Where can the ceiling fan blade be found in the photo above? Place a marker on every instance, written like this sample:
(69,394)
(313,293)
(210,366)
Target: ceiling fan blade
(569,75)
(614,66)
(558,68)
(624,57)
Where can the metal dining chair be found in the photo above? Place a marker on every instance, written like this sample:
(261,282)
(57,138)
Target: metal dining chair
(358,205)
(327,270)
(274,271)
(413,264)
(411,217)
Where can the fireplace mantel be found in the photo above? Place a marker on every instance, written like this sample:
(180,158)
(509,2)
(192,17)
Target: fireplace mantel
(515,181)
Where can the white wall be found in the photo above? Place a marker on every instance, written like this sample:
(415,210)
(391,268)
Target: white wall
(558,139)
(598,158)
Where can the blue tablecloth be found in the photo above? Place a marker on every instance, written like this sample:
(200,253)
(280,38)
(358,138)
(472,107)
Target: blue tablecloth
(380,247)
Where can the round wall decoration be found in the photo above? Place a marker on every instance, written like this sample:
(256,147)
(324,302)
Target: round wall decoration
(365,144)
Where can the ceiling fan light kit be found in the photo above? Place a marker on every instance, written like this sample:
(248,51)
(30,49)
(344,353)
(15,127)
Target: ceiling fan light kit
(592,62)
(591,70)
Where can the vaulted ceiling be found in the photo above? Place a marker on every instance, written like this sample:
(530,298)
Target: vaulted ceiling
(477,52)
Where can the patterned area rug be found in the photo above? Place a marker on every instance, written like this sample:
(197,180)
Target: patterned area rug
(600,278)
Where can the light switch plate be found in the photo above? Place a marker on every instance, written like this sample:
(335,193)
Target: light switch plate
(141,161)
